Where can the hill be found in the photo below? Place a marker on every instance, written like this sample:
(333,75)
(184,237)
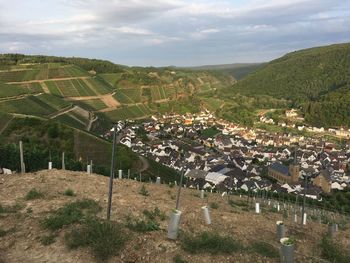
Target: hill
(305,76)
(89,94)
(237,70)
(42,225)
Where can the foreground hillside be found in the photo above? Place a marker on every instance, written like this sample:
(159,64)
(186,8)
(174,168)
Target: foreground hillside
(26,235)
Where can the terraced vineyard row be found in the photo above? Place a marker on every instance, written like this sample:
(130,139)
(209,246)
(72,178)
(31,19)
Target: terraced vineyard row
(92,105)
(129,112)
(42,105)
(77,87)
(42,72)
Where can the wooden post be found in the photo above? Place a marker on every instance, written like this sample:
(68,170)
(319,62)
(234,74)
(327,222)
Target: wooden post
(23,167)
(63,163)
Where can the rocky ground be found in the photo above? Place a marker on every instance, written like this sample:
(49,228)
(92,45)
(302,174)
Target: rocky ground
(21,243)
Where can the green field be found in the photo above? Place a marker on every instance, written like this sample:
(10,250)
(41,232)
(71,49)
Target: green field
(4,120)
(158,93)
(11,90)
(70,120)
(28,106)
(18,75)
(128,96)
(42,72)
(92,105)
(32,88)
(111,78)
(75,71)
(54,90)
(99,85)
(70,88)
(54,102)
(134,111)
(212,104)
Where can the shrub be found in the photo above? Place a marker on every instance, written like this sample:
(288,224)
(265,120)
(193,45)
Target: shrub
(2,232)
(152,215)
(331,251)
(214,205)
(143,191)
(140,225)
(10,209)
(69,192)
(34,194)
(48,240)
(237,203)
(210,242)
(105,238)
(178,259)
(71,213)
(265,249)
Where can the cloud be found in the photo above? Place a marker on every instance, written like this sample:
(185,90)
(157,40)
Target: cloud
(176,32)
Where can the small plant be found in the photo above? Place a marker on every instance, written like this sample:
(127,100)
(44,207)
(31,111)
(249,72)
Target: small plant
(143,191)
(2,232)
(105,238)
(274,210)
(69,192)
(214,205)
(140,225)
(152,215)
(210,242)
(237,203)
(178,259)
(71,213)
(10,209)
(332,252)
(29,210)
(265,249)
(48,240)
(288,241)
(34,194)
(171,185)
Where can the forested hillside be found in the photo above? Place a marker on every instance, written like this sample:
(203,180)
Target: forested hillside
(316,78)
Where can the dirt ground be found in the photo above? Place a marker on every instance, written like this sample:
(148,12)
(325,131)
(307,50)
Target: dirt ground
(23,244)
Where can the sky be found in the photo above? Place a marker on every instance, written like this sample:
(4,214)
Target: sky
(171,32)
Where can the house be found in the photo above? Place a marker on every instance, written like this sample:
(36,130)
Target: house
(284,174)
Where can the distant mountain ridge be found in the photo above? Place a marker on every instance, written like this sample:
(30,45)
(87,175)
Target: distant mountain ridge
(237,70)
(308,78)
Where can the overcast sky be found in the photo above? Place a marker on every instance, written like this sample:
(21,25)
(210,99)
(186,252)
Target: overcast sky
(171,32)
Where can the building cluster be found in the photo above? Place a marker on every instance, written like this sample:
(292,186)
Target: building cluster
(216,154)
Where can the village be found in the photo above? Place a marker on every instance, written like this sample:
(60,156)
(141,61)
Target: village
(218,155)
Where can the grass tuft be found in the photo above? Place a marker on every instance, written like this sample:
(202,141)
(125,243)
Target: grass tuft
(48,240)
(10,209)
(178,259)
(104,238)
(143,191)
(34,194)
(332,252)
(71,213)
(212,243)
(140,225)
(265,249)
(69,192)
(214,205)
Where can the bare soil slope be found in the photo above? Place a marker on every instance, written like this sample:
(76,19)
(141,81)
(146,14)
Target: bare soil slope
(22,244)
